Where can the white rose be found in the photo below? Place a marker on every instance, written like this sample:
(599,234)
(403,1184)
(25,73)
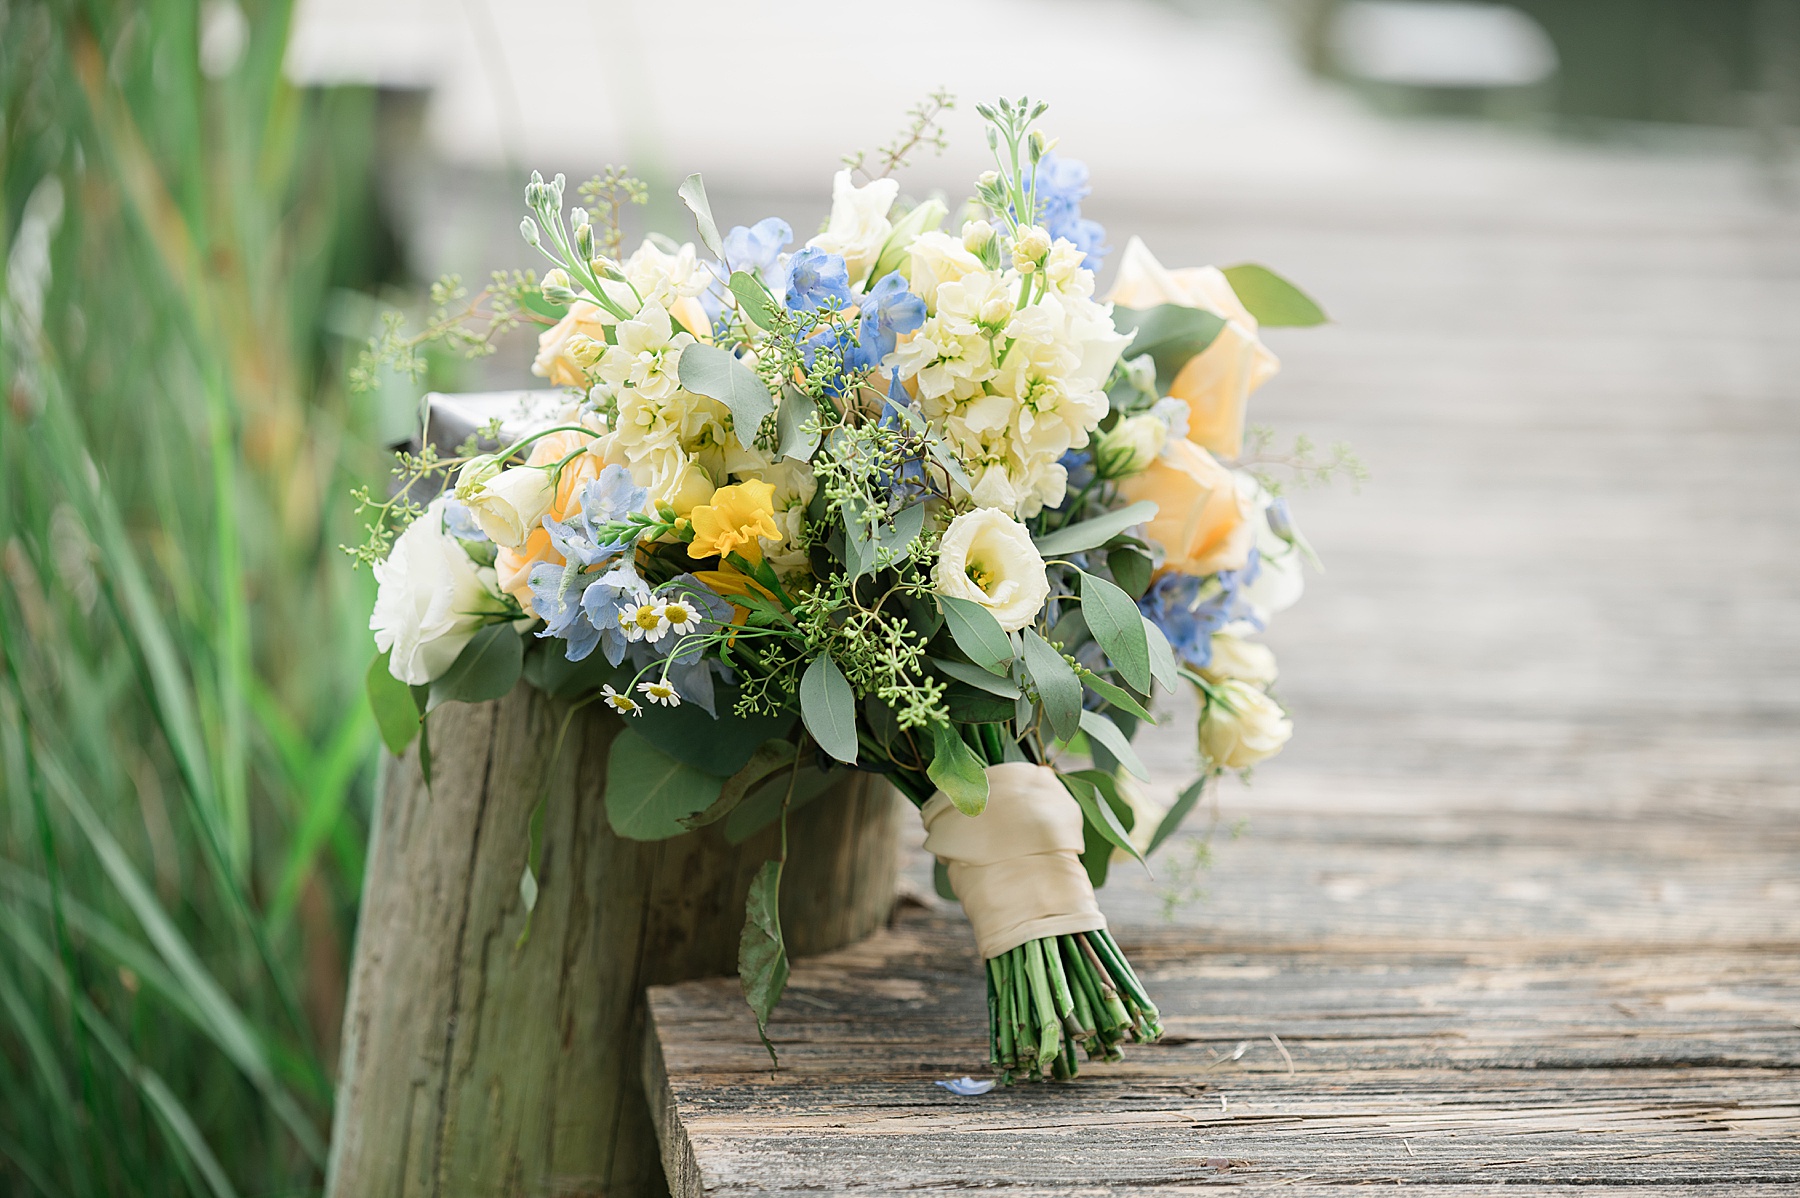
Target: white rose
(859,224)
(987,557)
(1245,660)
(1242,726)
(430,601)
(936,258)
(1129,446)
(510,505)
(1147,815)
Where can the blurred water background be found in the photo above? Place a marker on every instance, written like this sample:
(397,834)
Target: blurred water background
(1558,241)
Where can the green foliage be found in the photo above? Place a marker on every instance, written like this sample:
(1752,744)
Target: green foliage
(185,754)
(1273,300)
(707,370)
(762,953)
(1170,333)
(977,634)
(649,794)
(396,714)
(1058,690)
(1118,626)
(1096,531)
(957,771)
(693,193)
(828,706)
(487,668)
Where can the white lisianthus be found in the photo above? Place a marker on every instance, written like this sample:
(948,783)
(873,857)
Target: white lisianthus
(508,505)
(1245,660)
(1129,446)
(1279,579)
(987,557)
(1242,726)
(859,225)
(430,601)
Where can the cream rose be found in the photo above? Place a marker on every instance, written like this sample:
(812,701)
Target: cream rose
(936,258)
(1244,660)
(430,601)
(1217,382)
(1202,520)
(1242,726)
(987,557)
(508,504)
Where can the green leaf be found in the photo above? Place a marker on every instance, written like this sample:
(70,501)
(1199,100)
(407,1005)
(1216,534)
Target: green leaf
(1099,728)
(893,537)
(487,668)
(957,771)
(1131,570)
(718,374)
(1171,822)
(977,677)
(977,634)
(828,706)
(940,881)
(770,758)
(1091,534)
(649,793)
(1163,666)
(1170,333)
(1117,696)
(762,954)
(1119,627)
(790,425)
(766,799)
(717,747)
(923,218)
(1097,851)
(1058,688)
(396,715)
(967,705)
(1272,299)
(1100,815)
(693,193)
(753,297)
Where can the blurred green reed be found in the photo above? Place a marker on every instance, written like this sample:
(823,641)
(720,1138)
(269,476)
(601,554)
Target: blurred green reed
(186,755)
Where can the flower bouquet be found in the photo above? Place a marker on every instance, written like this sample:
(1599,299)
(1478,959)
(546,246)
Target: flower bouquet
(908,498)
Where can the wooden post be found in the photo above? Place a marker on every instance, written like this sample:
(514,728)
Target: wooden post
(485,1056)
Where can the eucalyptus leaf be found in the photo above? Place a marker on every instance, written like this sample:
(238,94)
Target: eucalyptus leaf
(396,715)
(762,953)
(1163,666)
(1273,300)
(1117,696)
(977,677)
(1101,729)
(1058,688)
(797,408)
(770,758)
(487,668)
(977,634)
(1170,333)
(763,806)
(718,374)
(1118,626)
(967,705)
(753,298)
(940,881)
(957,771)
(717,747)
(828,706)
(1171,823)
(1100,815)
(693,193)
(1097,850)
(1091,534)
(893,537)
(649,793)
(1131,570)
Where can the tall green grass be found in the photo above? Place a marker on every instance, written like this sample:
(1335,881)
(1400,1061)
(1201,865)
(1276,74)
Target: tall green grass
(186,756)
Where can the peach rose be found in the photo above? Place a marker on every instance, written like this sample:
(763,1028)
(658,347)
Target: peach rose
(1216,383)
(512,567)
(554,361)
(1202,519)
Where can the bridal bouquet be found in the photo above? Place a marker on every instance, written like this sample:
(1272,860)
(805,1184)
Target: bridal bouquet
(907,498)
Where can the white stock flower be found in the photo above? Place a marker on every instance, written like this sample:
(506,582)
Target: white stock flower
(936,258)
(987,557)
(510,505)
(1245,660)
(1242,726)
(646,355)
(859,223)
(430,601)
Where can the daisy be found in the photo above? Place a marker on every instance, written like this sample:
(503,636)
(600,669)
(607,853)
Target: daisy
(661,691)
(682,616)
(644,622)
(623,704)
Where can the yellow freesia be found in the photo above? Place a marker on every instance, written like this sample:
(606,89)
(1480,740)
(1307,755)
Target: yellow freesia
(733,521)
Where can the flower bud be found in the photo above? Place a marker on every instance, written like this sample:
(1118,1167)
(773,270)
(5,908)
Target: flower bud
(1129,446)
(583,350)
(1030,244)
(996,310)
(529,231)
(1281,522)
(976,235)
(476,473)
(987,179)
(556,287)
(1141,370)
(606,268)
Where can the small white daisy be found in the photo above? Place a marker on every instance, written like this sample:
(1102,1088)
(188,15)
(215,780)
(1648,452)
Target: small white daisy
(645,622)
(661,691)
(623,704)
(681,615)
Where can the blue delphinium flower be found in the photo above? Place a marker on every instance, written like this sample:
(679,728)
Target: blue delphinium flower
(888,310)
(554,594)
(605,598)
(459,522)
(758,248)
(815,279)
(608,499)
(1189,609)
(613,496)
(1062,183)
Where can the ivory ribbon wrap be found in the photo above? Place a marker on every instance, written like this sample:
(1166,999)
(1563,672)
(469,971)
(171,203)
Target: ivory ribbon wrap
(1016,866)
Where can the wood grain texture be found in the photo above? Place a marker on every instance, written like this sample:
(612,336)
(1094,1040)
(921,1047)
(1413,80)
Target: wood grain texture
(485,1053)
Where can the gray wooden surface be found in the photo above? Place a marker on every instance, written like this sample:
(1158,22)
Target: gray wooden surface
(1521,902)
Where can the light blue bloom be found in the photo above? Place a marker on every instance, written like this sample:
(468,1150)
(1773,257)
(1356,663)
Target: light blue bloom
(966,1087)
(816,279)
(1189,609)
(758,248)
(888,310)
(561,609)
(613,496)
(605,598)
(1062,183)
(459,522)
